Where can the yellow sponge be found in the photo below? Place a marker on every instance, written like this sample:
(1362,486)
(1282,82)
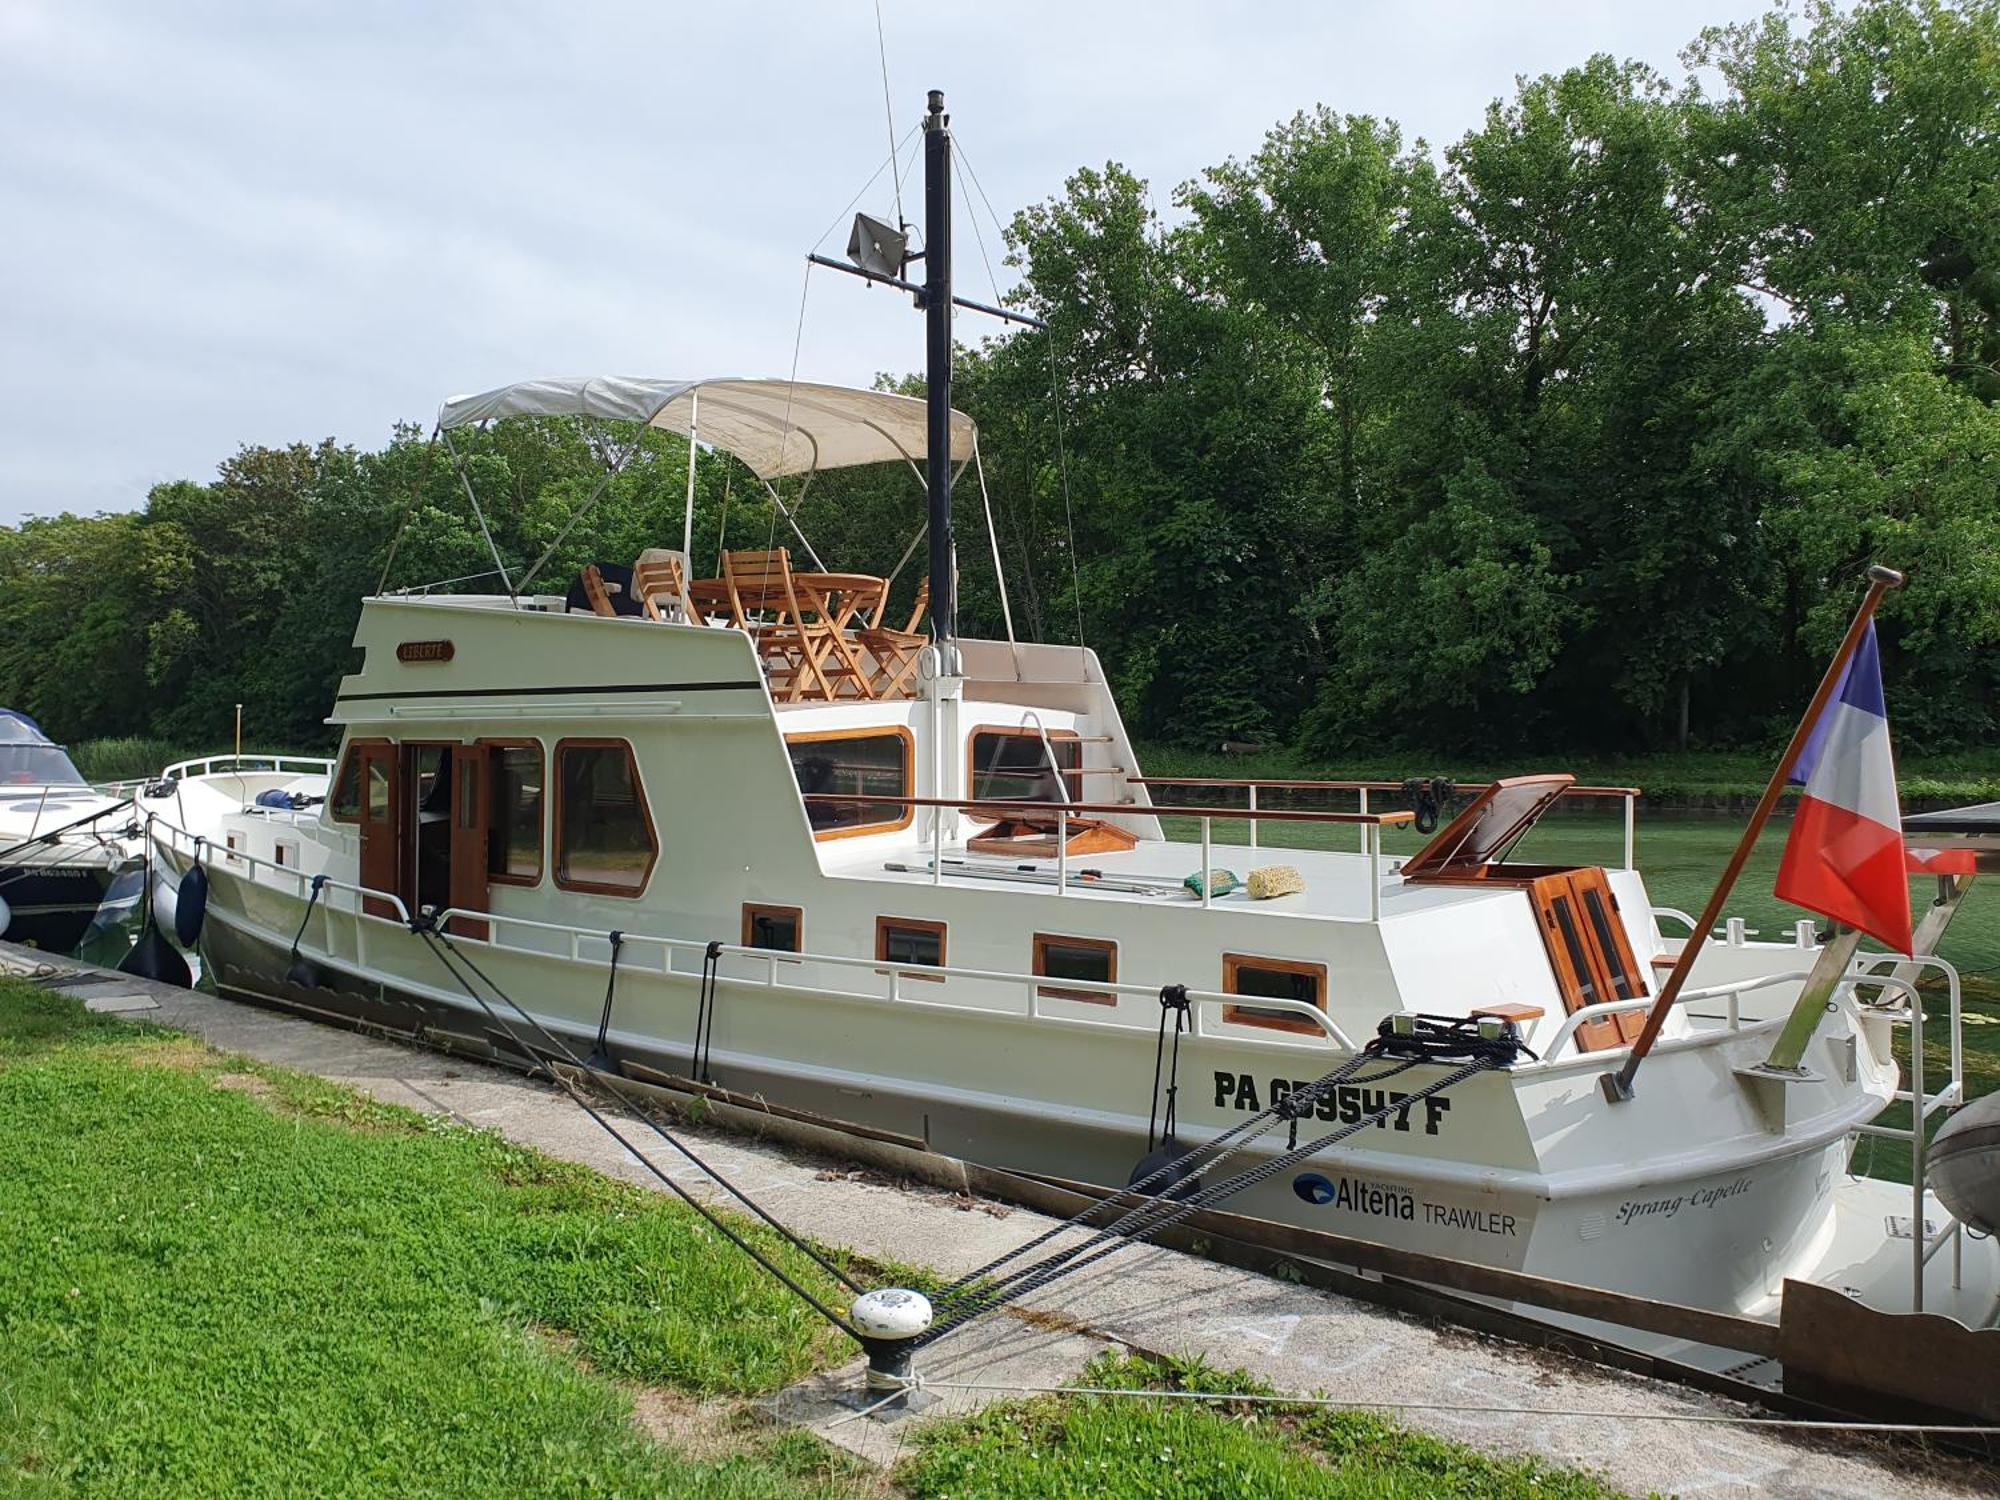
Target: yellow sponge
(1274,880)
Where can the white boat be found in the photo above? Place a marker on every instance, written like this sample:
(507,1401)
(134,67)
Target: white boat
(917,885)
(63,845)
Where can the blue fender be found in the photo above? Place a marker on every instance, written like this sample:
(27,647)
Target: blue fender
(190,906)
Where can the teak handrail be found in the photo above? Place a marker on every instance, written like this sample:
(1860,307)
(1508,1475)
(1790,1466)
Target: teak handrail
(1345,786)
(1006,808)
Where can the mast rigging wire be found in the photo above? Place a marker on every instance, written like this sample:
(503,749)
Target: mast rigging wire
(888,110)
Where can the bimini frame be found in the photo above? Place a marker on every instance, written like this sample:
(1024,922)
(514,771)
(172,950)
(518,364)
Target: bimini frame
(775,428)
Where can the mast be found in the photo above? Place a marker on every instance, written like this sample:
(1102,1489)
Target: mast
(937,371)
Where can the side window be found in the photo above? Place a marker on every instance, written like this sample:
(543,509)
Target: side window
(1273,979)
(604,833)
(1014,765)
(343,803)
(910,940)
(514,824)
(1077,958)
(777,928)
(873,763)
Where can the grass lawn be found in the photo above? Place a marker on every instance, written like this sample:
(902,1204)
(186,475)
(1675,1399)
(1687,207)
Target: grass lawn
(223,1278)
(226,1278)
(1106,1445)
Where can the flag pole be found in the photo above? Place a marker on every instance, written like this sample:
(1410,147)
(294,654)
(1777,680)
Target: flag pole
(1618,1086)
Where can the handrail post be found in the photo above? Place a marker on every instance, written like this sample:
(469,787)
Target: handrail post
(1206,883)
(1919,1155)
(1062,852)
(1372,834)
(937,846)
(1364,826)
(1253,814)
(1630,831)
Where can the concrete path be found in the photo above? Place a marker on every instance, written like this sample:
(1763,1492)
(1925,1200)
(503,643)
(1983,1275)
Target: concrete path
(1494,1396)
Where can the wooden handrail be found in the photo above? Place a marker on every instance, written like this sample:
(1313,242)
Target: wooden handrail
(1013,808)
(1346,786)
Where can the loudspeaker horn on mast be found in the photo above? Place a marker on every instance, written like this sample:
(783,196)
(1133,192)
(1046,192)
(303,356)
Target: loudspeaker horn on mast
(878,248)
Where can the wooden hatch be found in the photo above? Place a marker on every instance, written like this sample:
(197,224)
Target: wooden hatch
(1575,909)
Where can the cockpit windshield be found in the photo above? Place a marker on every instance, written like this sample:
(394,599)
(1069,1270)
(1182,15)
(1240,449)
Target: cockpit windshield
(28,759)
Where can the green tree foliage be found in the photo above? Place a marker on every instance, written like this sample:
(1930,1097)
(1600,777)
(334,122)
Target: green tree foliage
(1574,433)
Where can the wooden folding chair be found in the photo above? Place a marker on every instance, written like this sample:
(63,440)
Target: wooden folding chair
(661,576)
(896,651)
(595,591)
(761,583)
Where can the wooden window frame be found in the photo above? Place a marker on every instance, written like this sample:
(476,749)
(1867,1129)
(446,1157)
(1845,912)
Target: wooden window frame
(921,924)
(1018,732)
(862,732)
(350,759)
(755,909)
(1240,1015)
(598,887)
(1107,946)
(542,823)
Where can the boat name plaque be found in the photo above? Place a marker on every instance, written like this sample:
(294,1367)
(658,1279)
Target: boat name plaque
(422,651)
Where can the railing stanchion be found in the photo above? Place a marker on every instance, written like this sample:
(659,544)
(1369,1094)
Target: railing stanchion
(1373,835)
(1062,853)
(937,846)
(1630,840)
(1364,826)
(1206,847)
(1919,1155)
(1253,815)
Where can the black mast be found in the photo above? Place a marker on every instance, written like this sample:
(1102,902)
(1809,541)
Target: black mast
(937,367)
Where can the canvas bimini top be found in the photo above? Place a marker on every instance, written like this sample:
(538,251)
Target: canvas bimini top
(776,427)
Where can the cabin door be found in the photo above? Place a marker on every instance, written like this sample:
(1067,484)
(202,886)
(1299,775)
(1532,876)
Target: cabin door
(381,826)
(472,800)
(1589,952)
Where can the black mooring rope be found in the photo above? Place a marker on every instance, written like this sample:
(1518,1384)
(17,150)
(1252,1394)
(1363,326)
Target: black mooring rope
(704,1013)
(1166,1212)
(600,1055)
(1174,998)
(445,951)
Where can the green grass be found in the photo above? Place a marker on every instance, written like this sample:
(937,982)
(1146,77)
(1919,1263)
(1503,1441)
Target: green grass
(225,1278)
(1121,1445)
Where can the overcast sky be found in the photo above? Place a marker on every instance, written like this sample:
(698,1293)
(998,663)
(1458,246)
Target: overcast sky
(265,221)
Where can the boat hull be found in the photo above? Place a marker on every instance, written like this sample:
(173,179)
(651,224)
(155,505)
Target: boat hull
(53,904)
(1717,1234)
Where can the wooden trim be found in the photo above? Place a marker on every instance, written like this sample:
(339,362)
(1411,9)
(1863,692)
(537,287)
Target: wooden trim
(1020,733)
(753,909)
(875,731)
(350,759)
(1106,946)
(598,887)
(1002,807)
(1242,1015)
(918,924)
(1347,786)
(541,824)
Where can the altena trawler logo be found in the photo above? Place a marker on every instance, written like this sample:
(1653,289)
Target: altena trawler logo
(1313,1188)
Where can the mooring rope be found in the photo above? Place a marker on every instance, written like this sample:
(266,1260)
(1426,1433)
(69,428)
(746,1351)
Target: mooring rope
(446,952)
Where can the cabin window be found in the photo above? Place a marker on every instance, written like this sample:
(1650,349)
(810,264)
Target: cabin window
(344,806)
(861,763)
(604,833)
(514,829)
(1014,765)
(1273,979)
(233,842)
(285,853)
(910,940)
(1079,958)
(777,928)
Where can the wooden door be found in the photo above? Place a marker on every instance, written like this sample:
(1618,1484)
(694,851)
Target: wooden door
(381,825)
(472,802)
(1589,952)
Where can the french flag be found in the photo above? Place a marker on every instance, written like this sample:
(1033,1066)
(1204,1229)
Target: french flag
(1845,857)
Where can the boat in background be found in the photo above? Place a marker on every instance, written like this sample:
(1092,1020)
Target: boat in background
(69,855)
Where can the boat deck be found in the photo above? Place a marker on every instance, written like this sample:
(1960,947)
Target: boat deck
(1336,881)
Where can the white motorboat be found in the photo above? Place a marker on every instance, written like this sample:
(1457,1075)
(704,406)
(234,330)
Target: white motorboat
(63,845)
(750,832)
